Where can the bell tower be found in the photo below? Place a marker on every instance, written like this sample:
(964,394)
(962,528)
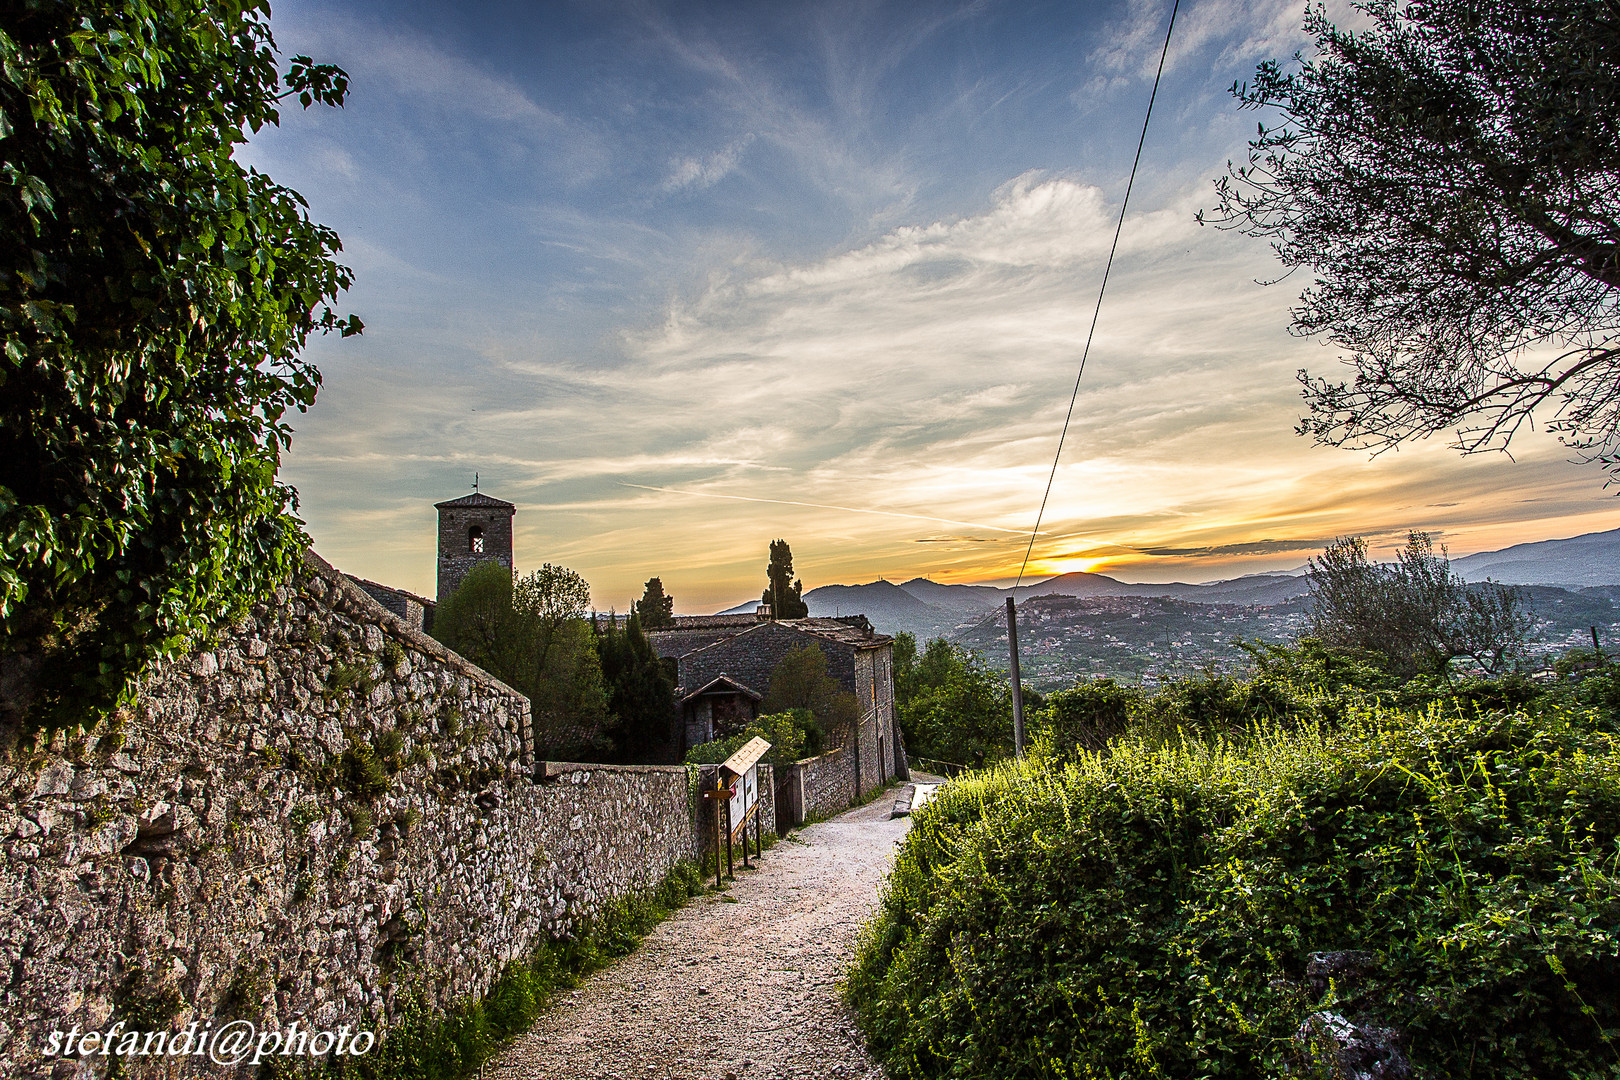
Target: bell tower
(472,529)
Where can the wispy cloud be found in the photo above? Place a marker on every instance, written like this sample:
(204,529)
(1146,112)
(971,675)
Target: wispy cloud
(822,506)
(690,172)
(823,272)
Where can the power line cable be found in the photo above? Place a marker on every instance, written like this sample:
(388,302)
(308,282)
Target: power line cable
(1033,533)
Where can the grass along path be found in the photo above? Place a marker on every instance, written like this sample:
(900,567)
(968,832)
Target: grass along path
(737,984)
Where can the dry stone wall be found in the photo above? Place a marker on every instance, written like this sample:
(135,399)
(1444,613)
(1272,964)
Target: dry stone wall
(302,822)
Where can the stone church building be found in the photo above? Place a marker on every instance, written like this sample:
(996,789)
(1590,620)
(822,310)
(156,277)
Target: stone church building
(472,529)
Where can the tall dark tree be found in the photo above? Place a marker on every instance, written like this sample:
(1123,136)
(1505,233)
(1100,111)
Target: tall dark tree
(1450,178)
(654,609)
(782,591)
(640,693)
(155,298)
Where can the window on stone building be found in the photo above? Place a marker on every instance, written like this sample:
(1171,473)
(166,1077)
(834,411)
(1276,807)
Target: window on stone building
(475,540)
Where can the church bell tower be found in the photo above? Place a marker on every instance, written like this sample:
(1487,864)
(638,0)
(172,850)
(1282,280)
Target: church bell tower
(472,529)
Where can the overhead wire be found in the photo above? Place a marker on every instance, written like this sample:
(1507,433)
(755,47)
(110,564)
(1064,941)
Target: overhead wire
(1118,228)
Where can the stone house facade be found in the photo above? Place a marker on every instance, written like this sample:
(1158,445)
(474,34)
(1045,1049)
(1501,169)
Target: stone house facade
(859,659)
(722,706)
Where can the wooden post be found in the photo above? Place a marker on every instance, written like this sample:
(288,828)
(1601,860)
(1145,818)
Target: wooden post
(1597,649)
(719,824)
(1017,681)
(730,869)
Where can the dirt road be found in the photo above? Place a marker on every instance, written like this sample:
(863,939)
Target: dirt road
(738,984)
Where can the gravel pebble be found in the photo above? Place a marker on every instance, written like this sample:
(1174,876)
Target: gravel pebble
(732,991)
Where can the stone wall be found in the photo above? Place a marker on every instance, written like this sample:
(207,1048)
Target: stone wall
(300,822)
(818,787)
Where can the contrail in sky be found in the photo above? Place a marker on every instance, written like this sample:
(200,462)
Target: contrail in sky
(823,506)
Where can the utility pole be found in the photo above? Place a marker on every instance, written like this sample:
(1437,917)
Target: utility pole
(1017,681)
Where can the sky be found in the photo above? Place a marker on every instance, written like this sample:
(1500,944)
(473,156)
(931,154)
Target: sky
(680,279)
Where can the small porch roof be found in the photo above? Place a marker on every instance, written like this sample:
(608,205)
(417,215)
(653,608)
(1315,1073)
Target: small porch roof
(723,684)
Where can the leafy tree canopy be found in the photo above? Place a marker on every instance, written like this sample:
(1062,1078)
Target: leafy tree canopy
(955,708)
(1451,178)
(800,682)
(785,731)
(533,636)
(155,296)
(654,608)
(782,591)
(1417,614)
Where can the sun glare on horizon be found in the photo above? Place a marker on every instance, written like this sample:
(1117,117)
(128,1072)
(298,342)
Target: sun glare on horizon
(1055,567)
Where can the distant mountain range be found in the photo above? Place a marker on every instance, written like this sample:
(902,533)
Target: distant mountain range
(926,608)
(1593,559)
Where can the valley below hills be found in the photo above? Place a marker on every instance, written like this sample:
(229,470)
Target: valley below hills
(1086,625)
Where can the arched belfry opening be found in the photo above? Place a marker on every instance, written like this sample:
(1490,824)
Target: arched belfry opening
(473,529)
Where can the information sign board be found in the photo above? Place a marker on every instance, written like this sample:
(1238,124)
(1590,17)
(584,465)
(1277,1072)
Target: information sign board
(744,765)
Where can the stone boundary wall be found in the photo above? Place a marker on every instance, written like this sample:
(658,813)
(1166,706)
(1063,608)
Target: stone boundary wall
(303,821)
(821,786)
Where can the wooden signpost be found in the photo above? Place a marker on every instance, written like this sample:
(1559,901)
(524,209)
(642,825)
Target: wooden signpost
(737,794)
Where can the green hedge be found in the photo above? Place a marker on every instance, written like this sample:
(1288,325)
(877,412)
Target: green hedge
(1150,912)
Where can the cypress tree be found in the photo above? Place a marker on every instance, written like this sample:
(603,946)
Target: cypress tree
(654,608)
(640,692)
(781,590)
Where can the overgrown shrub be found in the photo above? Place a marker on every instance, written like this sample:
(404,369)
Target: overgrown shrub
(787,732)
(1150,912)
(1084,717)
(1303,683)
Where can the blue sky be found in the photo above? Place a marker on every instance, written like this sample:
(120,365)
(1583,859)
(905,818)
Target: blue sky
(679,279)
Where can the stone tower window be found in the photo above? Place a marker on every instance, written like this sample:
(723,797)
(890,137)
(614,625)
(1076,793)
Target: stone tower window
(475,540)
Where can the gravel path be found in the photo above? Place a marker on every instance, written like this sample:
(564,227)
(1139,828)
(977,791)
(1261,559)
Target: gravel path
(727,990)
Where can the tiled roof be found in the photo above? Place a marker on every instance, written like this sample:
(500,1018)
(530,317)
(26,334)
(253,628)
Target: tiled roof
(839,631)
(692,632)
(477,498)
(712,622)
(715,682)
(373,587)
